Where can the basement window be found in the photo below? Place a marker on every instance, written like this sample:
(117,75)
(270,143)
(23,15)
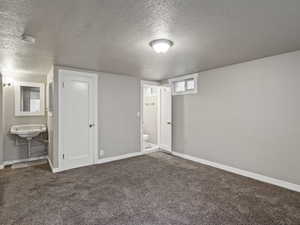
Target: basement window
(184,85)
(179,86)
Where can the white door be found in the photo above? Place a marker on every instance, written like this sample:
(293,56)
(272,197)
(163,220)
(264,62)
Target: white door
(77,119)
(166,119)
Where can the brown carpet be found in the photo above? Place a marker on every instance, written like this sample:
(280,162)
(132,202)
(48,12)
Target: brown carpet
(154,189)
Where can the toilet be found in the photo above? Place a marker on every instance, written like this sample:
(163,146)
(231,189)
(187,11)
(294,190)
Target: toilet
(146,143)
(145,137)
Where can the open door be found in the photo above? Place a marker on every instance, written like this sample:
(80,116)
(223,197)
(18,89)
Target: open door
(166,119)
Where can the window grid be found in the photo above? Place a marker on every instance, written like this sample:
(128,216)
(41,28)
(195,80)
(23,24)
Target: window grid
(184,85)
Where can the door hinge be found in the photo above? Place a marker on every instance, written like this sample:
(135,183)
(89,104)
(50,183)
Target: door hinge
(63,156)
(63,84)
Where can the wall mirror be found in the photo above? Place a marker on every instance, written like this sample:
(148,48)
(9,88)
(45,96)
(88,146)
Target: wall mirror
(29,99)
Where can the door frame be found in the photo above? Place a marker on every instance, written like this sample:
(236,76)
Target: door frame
(94,76)
(144,83)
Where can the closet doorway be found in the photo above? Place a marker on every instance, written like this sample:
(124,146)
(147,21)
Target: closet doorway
(77,119)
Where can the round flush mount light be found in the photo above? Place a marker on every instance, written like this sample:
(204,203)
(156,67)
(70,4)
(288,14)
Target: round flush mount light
(161,45)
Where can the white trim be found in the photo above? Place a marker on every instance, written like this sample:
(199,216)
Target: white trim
(93,75)
(152,149)
(60,169)
(59,104)
(53,169)
(140,114)
(115,158)
(270,180)
(164,147)
(1,167)
(107,160)
(182,78)
(158,116)
(6,163)
(150,83)
(18,111)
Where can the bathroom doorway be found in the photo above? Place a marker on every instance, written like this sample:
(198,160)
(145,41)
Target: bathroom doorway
(156,111)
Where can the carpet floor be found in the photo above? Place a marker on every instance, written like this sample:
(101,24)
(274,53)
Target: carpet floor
(154,189)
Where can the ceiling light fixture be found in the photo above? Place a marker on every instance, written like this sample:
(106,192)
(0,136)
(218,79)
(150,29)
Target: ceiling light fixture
(161,45)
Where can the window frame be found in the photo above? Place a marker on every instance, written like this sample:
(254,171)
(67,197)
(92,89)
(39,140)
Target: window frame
(185,78)
(18,111)
(175,83)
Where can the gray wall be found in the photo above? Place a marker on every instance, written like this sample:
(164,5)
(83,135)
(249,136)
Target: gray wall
(119,103)
(1,122)
(11,151)
(245,116)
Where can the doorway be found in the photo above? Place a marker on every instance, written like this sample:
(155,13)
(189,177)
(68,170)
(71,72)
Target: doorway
(156,117)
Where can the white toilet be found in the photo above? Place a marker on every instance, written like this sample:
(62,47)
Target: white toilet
(146,143)
(145,137)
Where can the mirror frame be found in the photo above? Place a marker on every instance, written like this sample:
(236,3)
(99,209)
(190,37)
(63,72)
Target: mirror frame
(18,111)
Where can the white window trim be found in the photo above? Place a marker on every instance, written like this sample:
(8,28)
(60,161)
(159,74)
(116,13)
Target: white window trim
(18,111)
(182,78)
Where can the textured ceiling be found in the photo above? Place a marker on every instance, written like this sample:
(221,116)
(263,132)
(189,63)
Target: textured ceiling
(113,35)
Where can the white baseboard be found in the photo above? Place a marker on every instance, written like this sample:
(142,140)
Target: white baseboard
(115,158)
(54,170)
(6,163)
(150,150)
(104,160)
(165,148)
(270,180)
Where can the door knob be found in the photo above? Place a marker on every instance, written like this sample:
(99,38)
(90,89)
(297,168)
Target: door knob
(91,125)
(169,123)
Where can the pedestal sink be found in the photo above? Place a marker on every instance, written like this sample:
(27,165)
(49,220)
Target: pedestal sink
(28,131)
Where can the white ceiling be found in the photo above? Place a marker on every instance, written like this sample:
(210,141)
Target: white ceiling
(113,35)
